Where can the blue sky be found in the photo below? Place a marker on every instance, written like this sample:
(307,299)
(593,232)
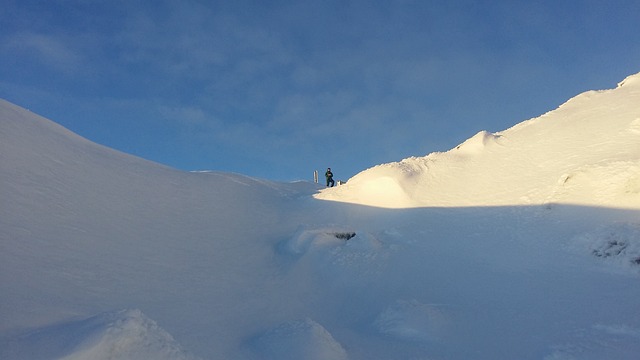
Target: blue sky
(276,89)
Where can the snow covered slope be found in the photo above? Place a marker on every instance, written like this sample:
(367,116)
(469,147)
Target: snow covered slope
(585,152)
(519,245)
(84,227)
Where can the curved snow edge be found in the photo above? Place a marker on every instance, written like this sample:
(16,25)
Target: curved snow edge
(124,334)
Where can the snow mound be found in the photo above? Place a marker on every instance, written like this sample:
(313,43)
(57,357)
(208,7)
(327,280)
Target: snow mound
(386,185)
(126,334)
(306,240)
(316,240)
(413,321)
(477,143)
(332,251)
(301,339)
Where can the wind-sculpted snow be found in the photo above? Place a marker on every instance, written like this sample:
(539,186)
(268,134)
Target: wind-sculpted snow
(520,244)
(312,240)
(121,335)
(595,134)
(478,143)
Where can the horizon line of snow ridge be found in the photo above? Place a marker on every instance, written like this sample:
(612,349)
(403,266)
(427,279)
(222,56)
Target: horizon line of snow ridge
(585,152)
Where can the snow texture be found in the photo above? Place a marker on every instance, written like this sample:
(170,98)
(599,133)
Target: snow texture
(126,334)
(303,339)
(519,244)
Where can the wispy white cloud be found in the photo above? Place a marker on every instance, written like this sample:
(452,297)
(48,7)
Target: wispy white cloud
(48,50)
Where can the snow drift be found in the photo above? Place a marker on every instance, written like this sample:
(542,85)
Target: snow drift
(126,334)
(303,339)
(521,244)
(585,152)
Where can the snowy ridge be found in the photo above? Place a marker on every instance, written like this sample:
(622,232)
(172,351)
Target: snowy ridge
(522,244)
(126,334)
(585,152)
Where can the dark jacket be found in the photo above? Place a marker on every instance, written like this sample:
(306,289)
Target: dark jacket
(328,174)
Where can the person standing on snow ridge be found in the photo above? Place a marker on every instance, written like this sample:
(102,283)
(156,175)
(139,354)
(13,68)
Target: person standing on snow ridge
(329,176)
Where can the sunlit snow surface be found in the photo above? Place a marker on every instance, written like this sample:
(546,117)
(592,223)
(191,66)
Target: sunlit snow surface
(586,152)
(521,244)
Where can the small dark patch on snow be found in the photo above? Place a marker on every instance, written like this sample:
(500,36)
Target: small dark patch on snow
(344,235)
(615,248)
(612,248)
(616,243)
